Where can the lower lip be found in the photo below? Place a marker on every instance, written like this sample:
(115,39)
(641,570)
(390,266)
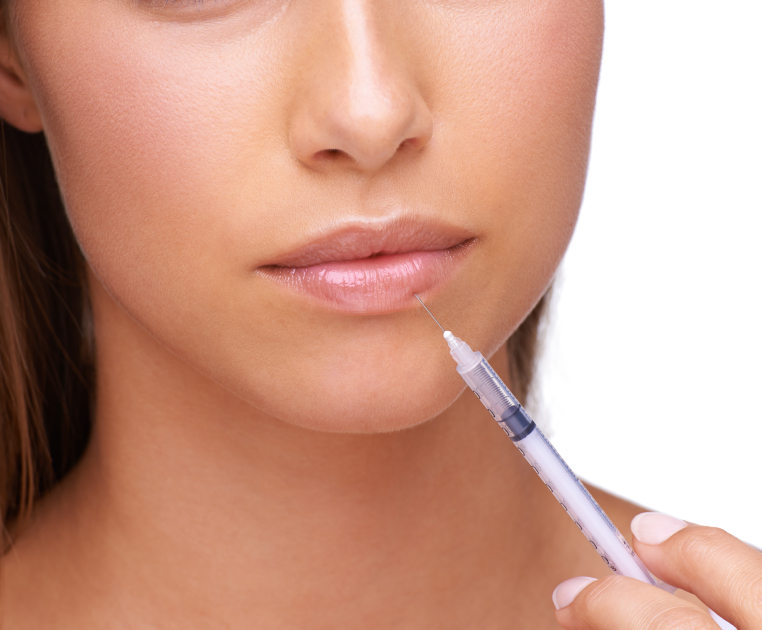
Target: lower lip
(380,284)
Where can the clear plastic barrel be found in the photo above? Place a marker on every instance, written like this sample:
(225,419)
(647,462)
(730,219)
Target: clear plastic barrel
(552,469)
(581,507)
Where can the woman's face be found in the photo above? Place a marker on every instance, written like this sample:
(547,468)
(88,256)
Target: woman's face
(229,166)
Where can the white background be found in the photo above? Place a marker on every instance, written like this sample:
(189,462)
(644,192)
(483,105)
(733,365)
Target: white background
(651,377)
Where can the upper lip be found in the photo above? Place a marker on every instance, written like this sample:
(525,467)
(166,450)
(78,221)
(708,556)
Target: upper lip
(359,240)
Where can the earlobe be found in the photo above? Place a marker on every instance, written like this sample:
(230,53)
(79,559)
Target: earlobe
(17,105)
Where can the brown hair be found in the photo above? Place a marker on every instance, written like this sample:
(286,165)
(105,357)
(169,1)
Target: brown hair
(46,371)
(45,368)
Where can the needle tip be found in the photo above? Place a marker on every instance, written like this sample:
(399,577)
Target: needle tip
(428,311)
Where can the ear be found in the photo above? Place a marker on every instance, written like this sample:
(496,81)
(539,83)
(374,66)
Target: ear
(17,104)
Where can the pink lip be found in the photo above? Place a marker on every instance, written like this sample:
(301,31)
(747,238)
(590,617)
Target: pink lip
(372,270)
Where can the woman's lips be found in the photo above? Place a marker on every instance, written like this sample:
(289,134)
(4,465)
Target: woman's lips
(391,266)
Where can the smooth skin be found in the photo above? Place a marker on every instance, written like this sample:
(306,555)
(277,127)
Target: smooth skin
(257,461)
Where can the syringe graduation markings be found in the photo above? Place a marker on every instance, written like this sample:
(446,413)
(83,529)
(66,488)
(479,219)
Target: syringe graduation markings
(546,462)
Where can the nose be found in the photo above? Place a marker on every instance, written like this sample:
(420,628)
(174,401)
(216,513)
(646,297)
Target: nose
(358,107)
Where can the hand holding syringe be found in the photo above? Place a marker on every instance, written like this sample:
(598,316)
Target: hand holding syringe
(548,464)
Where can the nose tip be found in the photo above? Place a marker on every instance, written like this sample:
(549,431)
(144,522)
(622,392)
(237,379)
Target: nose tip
(361,129)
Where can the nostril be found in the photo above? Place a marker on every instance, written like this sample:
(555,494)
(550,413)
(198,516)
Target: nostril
(410,143)
(334,155)
(327,154)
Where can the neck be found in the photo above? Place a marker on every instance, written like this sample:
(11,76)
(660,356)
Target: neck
(195,504)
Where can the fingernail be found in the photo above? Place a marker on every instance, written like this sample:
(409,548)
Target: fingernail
(653,528)
(566,591)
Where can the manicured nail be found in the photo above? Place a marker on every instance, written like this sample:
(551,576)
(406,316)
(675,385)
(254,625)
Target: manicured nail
(566,591)
(654,528)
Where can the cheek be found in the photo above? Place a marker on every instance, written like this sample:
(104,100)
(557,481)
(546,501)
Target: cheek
(158,140)
(142,125)
(516,114)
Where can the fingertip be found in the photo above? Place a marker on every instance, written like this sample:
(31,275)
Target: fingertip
(566,592)
(653,528)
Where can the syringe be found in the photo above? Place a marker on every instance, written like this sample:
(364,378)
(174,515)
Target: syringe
(546,462)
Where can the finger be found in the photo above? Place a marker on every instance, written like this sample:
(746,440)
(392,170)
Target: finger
(620,603)
(722,571)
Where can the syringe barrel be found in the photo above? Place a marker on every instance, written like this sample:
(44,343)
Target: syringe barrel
(555,473)
(582,507)
(497,398)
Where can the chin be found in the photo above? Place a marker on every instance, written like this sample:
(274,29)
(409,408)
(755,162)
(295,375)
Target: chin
(374,403)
